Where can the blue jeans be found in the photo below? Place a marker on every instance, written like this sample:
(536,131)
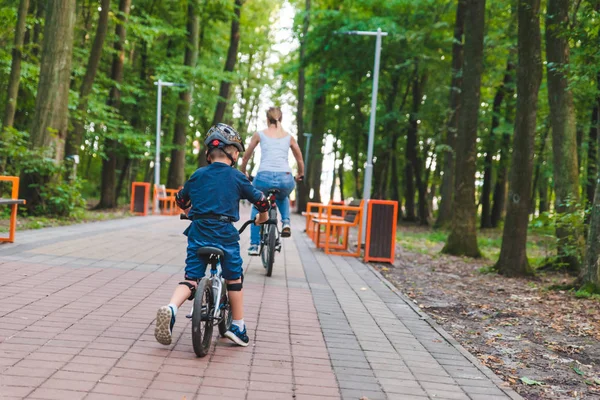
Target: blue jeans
(284,182)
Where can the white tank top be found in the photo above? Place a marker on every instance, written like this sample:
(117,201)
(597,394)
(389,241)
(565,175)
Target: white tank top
(274,153)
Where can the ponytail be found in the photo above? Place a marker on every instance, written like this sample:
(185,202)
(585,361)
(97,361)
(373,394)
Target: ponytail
(274,117)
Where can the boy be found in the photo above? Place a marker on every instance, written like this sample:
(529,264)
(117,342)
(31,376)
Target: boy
(211,199)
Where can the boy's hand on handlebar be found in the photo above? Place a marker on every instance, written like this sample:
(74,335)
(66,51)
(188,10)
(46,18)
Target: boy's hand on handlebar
(187,211)
(261,218)
(299,178)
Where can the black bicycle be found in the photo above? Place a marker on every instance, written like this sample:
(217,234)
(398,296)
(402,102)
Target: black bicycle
(211,303)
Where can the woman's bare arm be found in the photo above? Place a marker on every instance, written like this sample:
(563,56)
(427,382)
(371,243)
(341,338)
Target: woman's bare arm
(298,156)
(248,154)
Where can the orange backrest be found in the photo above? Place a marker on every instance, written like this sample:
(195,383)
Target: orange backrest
(15,185)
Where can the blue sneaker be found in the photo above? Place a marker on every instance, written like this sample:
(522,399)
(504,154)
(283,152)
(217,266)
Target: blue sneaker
(236,336)
(165,319)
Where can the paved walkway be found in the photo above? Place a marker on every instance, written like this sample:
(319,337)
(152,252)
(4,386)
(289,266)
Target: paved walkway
(77,308)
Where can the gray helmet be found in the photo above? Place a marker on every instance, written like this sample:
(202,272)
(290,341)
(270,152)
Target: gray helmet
(221,135)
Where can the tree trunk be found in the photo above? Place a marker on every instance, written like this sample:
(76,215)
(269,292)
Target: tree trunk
(564,135)
(463,236)
(486,191)
(122,175)
(447,188)
(341,175)
(513,253)
(543,192)
(539,161)
(592,171)
(318,132)
(591,272)
(15,68)
(76,137)
(412,150)
(234,41)
(108,195)
(50,120)
(176,175)
(37,28)
(302,189)
(501,186)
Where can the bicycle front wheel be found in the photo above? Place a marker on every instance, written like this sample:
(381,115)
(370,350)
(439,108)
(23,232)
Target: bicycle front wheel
(202,318)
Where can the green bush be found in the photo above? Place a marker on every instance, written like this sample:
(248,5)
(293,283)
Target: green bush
(58,198)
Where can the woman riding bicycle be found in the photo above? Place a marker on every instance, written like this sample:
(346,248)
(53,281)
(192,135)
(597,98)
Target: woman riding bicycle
(274,171)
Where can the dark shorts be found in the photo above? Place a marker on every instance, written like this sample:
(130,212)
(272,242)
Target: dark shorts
(231,263)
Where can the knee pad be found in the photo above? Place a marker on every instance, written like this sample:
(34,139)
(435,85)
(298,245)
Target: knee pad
(236,287)
(191,287)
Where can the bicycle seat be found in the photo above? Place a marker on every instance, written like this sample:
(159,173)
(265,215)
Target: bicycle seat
(274,191)
(209,251)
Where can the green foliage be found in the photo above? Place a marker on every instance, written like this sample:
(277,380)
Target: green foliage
(58,198)
(588,291)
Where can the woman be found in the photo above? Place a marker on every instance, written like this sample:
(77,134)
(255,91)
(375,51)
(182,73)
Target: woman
(274,171)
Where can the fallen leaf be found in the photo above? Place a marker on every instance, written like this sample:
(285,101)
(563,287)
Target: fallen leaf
(529,381)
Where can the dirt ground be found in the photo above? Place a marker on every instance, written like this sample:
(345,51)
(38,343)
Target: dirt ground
(545,343)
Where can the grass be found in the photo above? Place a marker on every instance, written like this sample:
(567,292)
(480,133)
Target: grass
(426,240)
(25,222)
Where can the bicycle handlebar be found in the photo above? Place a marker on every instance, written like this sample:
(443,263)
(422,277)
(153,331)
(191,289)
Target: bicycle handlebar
(243,228)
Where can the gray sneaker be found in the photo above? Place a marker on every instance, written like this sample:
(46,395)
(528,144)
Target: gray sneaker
(165,319)
(286,231)
(253,250)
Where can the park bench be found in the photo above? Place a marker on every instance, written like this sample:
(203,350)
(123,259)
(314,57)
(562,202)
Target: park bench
(331,229)
(13,202)
(309,214)
(166,200)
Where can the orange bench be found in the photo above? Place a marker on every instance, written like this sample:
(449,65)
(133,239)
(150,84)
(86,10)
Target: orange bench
(13,203)
(335,238)
(167,198)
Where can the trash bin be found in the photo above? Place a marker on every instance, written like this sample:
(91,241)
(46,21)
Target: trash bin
(382,216)
(140,195)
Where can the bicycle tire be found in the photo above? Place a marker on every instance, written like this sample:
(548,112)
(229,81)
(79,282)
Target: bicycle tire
(227,317)
(264,232)
(202,323)
(271,249)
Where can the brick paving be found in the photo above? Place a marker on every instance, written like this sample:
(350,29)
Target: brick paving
(77,308)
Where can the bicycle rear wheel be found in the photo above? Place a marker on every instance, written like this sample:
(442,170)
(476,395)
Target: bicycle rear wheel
(268,253)
(227,317)
(202,322)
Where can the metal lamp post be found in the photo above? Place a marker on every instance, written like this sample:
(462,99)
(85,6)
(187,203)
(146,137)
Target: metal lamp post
(159,84)
(369,168)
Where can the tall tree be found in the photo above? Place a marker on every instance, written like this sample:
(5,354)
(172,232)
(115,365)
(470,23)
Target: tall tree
(234,41)
(15,67)
(75,138)
(414,163)
(447,188)
(564,134)
(108,197)
(302,190)
(176,175)
(463,236)
(486,191)
(317,126)
(513,254)
(50,119)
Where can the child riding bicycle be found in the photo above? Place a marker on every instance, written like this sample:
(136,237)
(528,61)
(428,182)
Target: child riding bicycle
(211,199)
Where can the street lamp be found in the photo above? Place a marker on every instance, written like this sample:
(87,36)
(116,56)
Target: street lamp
(369,167)
(159,84)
